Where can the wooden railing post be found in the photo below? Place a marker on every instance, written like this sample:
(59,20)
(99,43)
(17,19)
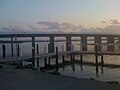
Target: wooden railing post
(96,58)
(56,56)
(37,47)
(4,50)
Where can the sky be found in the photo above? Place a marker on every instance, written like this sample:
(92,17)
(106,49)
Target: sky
(54,15)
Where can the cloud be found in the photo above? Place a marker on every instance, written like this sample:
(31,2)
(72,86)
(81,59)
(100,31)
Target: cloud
(51,25)
(114,21)
(56,27)
(103,22)
(15,29)
(31,27)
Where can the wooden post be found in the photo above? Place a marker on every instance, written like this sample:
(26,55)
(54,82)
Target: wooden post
(45,62)
(18,50)
(63,58)
(12,46)
(56,56)
(4,50)
(33,51)
(102,64)
(81,61)
(96,58)
(96,54)
(102,61)
(37,46)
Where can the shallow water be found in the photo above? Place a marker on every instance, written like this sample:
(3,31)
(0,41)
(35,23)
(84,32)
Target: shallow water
(106,74)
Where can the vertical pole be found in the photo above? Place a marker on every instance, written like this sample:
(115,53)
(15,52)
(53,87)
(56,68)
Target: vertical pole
(37,46)
(18,53)
(33,51)
(81,57)
(4,50)
(45,62)
(12,46)
(96,58)
(81,61)
(56,56)
(63,57)
(18,50)
(102,64)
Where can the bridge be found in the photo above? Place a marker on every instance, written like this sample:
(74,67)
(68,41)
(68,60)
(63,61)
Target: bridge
(97,38)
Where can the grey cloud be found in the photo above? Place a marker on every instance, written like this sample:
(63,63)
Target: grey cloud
(114,21)
(31,27)
(103,21)
(51,25)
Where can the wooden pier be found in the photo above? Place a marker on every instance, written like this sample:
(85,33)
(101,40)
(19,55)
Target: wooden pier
(55,53)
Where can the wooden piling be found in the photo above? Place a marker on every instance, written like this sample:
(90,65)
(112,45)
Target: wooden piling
(18,50)
(37,46)
(45,62)
(4,50)
(102,61)
(33,51)
(56,56)
(63,58)
(96,58)
(81,61)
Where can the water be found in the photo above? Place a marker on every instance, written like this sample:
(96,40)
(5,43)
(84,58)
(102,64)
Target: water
(104,74)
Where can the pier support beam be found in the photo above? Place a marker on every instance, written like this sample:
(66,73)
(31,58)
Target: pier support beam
(33,51)
(110,40)
(98,41)
(84,43)
(68,43)
(51,45)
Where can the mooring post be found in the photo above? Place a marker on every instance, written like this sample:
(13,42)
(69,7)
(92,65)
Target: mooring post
(18,53)
(81,57)
(56,56)
(102,64)
(4,50)
(63,57)
(11,46)
(18,50)
(81,61)
(96,53)
(33,51)
(37,47)
(96,58)
(102,61)
(45,62)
